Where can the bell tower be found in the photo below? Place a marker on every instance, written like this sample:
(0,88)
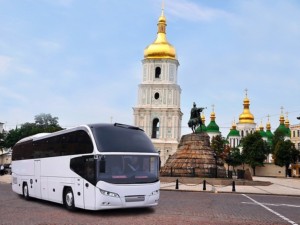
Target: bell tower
(158,106)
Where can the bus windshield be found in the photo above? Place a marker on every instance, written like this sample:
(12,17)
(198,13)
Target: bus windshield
(122,169)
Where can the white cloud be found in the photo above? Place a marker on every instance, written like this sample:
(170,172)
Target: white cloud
(194,12)
(5,63)
(9,94)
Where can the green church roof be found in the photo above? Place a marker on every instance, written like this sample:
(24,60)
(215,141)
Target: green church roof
(286,131)
(269,134)
(198,129)
(212,127)
(233,133)
(263,134)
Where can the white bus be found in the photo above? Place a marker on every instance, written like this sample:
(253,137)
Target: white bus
(97,166)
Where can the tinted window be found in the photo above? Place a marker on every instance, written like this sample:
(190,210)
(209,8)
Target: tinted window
(85,167)
(76,142)
(122,169)
(112,138)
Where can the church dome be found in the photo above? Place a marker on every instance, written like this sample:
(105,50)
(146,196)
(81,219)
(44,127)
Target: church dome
(160,48)
(246,116)
(282,127)
(212,126)
(268,131)
(262,132)
(233,131)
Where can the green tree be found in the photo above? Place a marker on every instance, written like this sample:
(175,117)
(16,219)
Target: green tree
(278,137)
(43,123)
(285,153)
(255,150)
(2,139)
(218,145)
(235,158)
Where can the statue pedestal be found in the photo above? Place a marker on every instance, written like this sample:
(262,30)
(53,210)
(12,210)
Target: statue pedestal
(194,157)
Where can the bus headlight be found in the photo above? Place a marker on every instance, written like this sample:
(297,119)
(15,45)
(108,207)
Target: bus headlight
(155,192)
(108,193)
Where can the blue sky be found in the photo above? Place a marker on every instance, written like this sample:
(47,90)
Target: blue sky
(81,60)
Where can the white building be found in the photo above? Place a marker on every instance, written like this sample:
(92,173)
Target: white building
(158,106)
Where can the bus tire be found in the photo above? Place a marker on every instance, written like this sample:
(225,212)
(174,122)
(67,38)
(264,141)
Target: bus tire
(26,191)
(69,199)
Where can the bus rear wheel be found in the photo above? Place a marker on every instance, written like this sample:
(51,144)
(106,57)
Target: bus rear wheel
(69,199)
(25,191)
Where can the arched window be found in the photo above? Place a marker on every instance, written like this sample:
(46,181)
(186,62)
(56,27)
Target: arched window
(242,133)
(155,128)
(157,72)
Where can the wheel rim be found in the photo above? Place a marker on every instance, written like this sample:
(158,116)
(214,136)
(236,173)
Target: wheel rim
(69,199)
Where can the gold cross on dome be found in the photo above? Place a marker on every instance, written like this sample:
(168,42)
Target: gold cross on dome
(246,92)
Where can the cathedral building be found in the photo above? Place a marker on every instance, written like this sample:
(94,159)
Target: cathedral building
(158,110)
(246,124)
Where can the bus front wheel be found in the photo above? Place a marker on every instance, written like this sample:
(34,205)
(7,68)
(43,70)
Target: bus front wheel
(69,199)
(25,191)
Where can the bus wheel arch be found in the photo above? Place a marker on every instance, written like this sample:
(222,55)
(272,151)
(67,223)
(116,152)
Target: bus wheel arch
(68,198)
(25,191)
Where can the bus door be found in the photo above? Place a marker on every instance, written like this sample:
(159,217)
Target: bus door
(88,187)
(37,179)
(78,192)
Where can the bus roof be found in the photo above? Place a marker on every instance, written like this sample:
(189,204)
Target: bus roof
(32,137)
(43,135)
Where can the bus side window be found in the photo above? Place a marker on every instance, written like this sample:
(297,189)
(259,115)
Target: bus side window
(102,165)
(89,168)
(77,165)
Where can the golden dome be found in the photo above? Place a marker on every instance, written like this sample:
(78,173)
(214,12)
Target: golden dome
(268,126)
(233,125)
(212,116)
(261,127)
(160,48)
(246,116)
(287,122)
(281,118)
(203,118)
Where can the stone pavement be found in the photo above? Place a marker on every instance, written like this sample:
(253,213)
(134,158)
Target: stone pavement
(261,185)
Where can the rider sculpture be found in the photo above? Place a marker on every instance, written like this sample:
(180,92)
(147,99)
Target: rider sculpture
(195,119)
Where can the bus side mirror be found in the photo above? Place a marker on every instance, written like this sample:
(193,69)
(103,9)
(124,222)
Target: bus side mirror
(102,165)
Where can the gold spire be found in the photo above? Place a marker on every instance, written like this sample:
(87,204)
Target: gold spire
(203,118)
(213,115)
(160,48)
(233,125)
(268,126)
(287,122)
(261,127)
(281,119)
(246,116)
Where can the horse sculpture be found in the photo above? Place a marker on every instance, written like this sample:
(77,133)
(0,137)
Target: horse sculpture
(195,119)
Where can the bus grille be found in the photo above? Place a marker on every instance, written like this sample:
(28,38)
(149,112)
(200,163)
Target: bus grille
(135,198)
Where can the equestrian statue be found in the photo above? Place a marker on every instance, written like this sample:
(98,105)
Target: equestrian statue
(195,119)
